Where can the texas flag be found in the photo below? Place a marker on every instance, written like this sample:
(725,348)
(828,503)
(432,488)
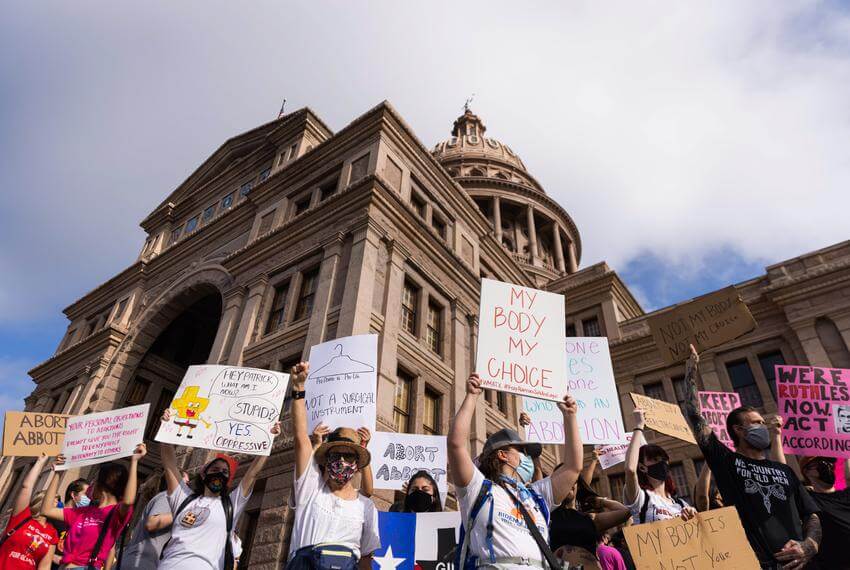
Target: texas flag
(409,541)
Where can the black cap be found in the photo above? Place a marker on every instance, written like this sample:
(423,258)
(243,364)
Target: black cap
(506,437)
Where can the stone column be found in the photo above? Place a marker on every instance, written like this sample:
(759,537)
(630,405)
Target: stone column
(478,432)
(324,291)
(388,341)
(572,263)
(532,232)
(843,324)
(708,373)
(559,247)
(250,311)
(356,311)
(609,319)
(808,337)
(227,325)
(497,218)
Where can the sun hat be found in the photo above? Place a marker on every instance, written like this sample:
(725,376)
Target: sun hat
(344,439)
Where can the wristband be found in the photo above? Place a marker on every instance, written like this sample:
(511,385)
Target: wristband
(298,394)
(638,429)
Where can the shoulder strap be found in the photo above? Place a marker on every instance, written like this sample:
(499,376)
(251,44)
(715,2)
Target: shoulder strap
(14,530)
(466,529)
(541,503)
(554,563)
(644,507)
(95,553)
(679,501)
(179,510)
(227,504)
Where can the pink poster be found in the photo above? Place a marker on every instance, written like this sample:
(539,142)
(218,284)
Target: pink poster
(815,403)
(714,407)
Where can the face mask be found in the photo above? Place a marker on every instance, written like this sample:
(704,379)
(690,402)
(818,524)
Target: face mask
(418,501)
(525,469)
(826,473)
(340,471)
(83,501)
(658,471)
(214,482)
(758,437)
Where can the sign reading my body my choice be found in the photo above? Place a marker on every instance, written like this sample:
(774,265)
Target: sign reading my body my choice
(226,408)
(521,341)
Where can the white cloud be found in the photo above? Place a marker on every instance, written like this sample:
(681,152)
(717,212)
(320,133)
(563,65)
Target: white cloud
(675,128)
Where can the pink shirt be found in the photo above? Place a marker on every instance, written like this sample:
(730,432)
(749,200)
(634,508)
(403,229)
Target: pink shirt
(610,558)
(84,524)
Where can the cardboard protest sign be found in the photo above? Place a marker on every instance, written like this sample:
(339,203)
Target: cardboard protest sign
(611,455)
(714,407)
(397,456)
(705,322)
(409,541)
(815,403)
(31,434)
(104,436)
(547,421)
(664,417)
(226,408)
(342,384)
(521,341)
(713,539)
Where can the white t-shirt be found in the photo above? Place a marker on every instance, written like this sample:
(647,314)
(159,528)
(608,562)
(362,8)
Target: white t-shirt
(660,509)
(199,532)
(322,517)
(511,537)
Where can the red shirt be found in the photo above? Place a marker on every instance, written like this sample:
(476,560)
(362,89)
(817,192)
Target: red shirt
(28,545)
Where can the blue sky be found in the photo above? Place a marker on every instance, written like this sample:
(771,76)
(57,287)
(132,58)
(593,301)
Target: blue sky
(692,143)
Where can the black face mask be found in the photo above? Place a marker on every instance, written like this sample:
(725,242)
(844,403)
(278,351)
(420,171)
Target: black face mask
(418,502)
(215,482)
(826,473)
(658,471)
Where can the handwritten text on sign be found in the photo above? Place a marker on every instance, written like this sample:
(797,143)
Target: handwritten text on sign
(705,322)
(31,434)
(713,539)
(342,383)
(815,403)
(715,407)
(664,417)
(226,408)
(104,436)
(521,341)
(397,456)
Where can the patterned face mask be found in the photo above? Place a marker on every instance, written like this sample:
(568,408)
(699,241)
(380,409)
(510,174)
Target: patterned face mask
(340,471)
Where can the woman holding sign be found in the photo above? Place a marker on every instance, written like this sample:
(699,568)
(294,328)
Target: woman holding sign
(505,515)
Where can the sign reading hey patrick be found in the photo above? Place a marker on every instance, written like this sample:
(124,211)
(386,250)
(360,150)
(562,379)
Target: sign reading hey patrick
(521,341)
(342,383)
(397,456)
(104,436)
(226,408)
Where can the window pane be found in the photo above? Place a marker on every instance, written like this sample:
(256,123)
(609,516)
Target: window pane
(677,472)
(744,383)
(591,327)
(435,328)
(681,392)
(138,390)
(502,402)
(227,201)
(307,294)
(302,205)
(409,303)
(175,235)
(401,402)
(767,362)
(208,213)
(431,416)
(418,205)
(655,390)
(328,189)
(278,309)
(191,224)
(265,174)
(245,189)
(440,226)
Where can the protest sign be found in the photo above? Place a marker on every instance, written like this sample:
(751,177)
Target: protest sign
(611,455)
(664,417)
(421,541)
(705,322)
(521,341)
(714,407)
(342,383)
(815,403)
(104,436)
(711,540)
(397,456)
(31,434)
(226,408)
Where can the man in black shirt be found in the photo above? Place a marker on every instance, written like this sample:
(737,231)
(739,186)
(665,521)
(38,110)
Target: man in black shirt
(776,512)
(819,472)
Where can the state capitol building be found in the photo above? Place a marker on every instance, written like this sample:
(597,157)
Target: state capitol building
(291,234)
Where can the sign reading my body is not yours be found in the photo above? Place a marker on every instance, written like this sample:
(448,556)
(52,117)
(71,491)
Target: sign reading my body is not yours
(521,341)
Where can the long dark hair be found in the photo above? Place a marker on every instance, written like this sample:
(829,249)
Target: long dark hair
(437,504)
(112,478)
(651,451)
(490,465)
(74,487)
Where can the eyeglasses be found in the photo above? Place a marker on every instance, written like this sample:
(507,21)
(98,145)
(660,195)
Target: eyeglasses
(347,457)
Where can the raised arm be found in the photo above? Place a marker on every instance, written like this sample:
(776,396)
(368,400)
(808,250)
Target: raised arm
(460,462)
(256,466)
(703,488)
(367,486)
(566,475)
(48,508)
(303,448)
(632,486)
(614,513)
(775,452)
(590,467)
(702,431)
(28,484)
(129,497)
(169,460)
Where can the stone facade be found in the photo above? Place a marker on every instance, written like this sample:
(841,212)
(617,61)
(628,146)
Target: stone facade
(290,234)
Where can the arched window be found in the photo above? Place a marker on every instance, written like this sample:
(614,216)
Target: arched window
(476,172)
(502,176)
(833,343)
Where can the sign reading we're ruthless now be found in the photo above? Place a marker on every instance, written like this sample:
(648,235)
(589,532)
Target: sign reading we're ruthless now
(521,341)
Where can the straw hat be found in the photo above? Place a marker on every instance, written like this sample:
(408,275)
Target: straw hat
(343,439)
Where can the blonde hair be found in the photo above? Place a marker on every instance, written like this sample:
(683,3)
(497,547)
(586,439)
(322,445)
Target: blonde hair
(35,503)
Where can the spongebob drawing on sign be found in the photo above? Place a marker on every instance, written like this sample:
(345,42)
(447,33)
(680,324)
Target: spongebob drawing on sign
(189,407)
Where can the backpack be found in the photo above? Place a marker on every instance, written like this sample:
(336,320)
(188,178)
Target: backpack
(227,504)
(645,506)
(464,560)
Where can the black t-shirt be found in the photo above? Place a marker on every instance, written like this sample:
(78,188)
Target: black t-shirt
(835,520)
(769,497)
(572,528)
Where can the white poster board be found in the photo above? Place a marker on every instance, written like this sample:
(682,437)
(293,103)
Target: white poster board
(590,380)
(342,384)
(521,341)
(547,421)
(226,408)
(611,455)
(104,436)
(397,456)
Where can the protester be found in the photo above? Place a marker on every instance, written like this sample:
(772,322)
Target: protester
(29,541)
(93,529)
(151,533)
(497,498)
(706,494)
(205,511)
(649,492)
(421,495)
(778,515)
(618,541)
(335,526)
(819,474)
(609,557)
(75,494)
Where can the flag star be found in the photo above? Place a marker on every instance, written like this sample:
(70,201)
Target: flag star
(387,561)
